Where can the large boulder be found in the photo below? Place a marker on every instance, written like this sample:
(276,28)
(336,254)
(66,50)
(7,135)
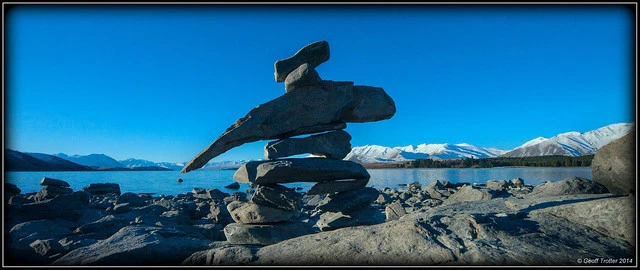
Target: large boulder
(138,246)
(316,109)
(312,54)
(613,165)
(348,201)
(567,186)
(335,145)
(49,192)
(277,196)
(265,234)
(67,206)
(251,213)
(299,170)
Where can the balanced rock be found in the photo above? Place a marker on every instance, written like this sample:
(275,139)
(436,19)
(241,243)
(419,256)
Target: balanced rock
(316,108)
(313,54)
(338,186)
(299,170)
(46,181)
(277,196)
(335,145)
(614,165)
(348,201)
(251,213)
(304,75)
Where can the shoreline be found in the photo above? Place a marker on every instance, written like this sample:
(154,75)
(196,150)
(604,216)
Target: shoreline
(111,219)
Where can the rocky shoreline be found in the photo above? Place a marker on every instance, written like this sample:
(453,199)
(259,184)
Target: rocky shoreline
(502,222)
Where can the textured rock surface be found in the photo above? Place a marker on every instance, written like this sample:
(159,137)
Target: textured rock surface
(364,216)
(102,188)
(462,233)
(298,170)
(394,211)
(335,145)
(337,186)
(314,54)
(304,75)
(349,201)
(614,165)
(277,196)
(251,213)
(470,193)
(138,245)
(264,234)
(568,186)
(313,106)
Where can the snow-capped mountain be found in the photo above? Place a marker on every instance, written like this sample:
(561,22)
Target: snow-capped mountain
(223,165)
(376,153)
(572,143)
(92,160)
(566,144)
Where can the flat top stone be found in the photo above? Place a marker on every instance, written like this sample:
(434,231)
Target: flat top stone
(314,54)
(299,170)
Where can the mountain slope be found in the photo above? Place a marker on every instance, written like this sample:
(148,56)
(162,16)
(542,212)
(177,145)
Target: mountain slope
(572,143)
(17,161)
(376,153)
(92,160)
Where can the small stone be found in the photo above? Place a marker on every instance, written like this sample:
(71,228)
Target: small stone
(394,211)
(234,185)
(304,75)
(313,54)
(46,181)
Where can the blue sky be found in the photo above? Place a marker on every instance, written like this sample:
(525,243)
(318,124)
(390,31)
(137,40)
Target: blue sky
(161,82)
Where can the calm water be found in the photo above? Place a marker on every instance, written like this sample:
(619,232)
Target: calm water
(165,182)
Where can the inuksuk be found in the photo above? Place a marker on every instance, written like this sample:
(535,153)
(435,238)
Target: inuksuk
(310,106)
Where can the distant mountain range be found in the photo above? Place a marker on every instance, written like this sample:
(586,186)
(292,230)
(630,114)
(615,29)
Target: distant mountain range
(566,144)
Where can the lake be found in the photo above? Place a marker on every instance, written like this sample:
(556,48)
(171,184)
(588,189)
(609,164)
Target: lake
(165,182)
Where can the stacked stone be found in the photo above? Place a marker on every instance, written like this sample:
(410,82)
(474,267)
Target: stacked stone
(309,106)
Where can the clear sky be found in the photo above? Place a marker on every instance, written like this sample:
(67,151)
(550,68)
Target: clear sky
(161,82)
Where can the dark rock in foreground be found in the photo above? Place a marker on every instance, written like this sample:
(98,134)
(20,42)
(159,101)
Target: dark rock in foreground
(265,234)
(614,165)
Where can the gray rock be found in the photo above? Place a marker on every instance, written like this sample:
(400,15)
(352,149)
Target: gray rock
(383,199)
(613,165)
(337,186)
(394,211)
(314,108)
(138,246)
(30,231)
(49,192)
(304,75)
(46,247)
(121,208)
(313,54)
(264,234)
(349,201)
(251,213)
(499,185)
(46,181)
(68,207)
(132,199)
(335,145)
(299,170)
(567,186)
(517,182)
(458,234)
(364,216)
(102,188)
(220,214)
(311,201)
(277,196)
(470,193)
(11,188)
(233,185)
(103,227)
(226,254)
